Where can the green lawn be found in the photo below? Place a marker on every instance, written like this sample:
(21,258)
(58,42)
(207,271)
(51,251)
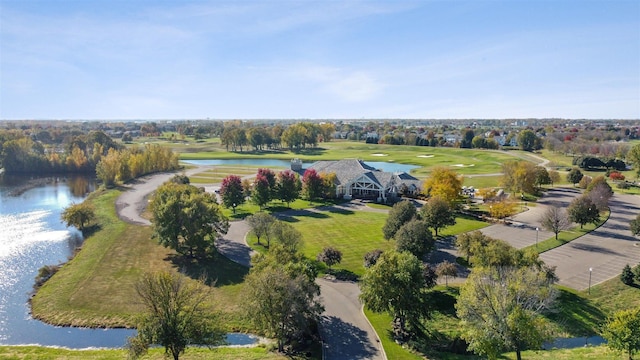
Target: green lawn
(465,161)
(96,287)
(37,352)
(217,173)
(576,315)
(353,233)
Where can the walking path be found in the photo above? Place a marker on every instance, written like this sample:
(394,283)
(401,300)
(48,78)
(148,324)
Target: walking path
(586,261)
(345,330)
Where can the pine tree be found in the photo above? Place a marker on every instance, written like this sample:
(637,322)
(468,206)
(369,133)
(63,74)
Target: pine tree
(627,275)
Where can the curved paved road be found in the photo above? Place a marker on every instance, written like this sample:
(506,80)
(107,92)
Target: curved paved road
(346,331)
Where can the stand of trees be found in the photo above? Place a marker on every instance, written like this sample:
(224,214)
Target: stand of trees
(187,219)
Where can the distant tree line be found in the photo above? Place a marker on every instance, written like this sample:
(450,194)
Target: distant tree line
(22,154)
(240,137)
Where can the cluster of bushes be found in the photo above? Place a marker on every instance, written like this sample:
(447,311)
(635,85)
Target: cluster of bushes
(595,163)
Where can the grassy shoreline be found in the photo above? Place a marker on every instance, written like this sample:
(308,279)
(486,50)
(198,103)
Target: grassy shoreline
(96,287)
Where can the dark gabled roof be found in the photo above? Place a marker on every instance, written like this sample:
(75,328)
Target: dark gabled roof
(345,170)
(348,170)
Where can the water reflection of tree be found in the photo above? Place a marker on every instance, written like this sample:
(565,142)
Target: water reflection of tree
(80,185)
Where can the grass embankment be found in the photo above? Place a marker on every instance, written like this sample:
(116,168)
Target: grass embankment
(36,352)
(577,314)
(568,235)
(96,288)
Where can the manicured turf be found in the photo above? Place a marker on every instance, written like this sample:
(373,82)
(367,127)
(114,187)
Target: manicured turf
(381,323)
(96,287)
(35,352)
(217,173)
(353,232)
(613,295)
(465,161)
(463,224)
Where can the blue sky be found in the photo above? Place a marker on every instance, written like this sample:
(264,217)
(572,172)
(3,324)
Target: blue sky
(145,59)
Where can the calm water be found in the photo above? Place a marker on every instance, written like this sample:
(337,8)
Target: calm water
(384,166)
(32,236)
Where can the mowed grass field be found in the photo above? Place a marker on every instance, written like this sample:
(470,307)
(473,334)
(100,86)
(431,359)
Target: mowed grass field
(465,161)
(215,174)
(96,288)
(353,232)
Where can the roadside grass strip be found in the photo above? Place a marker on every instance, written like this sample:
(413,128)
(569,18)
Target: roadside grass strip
(567,236)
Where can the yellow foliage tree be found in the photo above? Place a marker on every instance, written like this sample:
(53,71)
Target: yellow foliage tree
(445,183)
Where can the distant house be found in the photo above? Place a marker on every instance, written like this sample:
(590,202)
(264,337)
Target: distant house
(355,179)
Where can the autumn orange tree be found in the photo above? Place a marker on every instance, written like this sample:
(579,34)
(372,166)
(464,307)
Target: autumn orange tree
(445,183)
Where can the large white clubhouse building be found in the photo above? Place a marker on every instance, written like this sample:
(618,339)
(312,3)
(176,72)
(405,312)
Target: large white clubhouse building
(355,179)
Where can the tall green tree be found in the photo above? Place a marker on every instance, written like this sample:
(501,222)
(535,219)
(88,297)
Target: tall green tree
(260,224)
(232,192)
(396,284)
(281,293)
(622,331)
(500,309)
(519,176)
(438,214)
(79,215)
(174,316)
(583,211)
(401,213)
(415,237)
(527,140)
(186,219)
(574,176)
(633,156)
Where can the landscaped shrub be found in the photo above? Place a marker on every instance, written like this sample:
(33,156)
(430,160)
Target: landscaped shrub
(627,275)
(616,176)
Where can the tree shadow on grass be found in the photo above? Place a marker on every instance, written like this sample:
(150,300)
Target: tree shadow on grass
(576,315)
(444,301)
(346,341)
(335,210)
(216,269)
(90,230)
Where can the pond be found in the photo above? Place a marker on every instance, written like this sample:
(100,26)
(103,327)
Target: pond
(381,165)
(33,236)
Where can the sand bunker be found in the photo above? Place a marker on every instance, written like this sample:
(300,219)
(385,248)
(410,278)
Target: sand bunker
(379,154)
(425,156)
(463,165)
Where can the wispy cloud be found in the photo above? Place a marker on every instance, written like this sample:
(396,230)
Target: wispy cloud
(347,85)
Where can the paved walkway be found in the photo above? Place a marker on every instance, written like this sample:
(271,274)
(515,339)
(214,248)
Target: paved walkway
(345,330)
